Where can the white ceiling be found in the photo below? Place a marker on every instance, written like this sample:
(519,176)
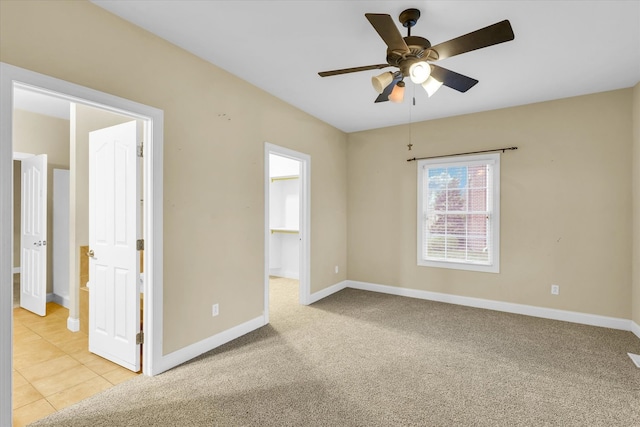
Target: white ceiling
(561,49)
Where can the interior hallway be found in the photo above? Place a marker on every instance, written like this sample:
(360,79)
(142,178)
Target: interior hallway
(52,366)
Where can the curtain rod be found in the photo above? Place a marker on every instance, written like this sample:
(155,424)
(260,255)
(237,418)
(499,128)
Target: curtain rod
(463,154)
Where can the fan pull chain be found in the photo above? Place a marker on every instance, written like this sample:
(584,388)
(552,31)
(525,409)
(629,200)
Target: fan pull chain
(413,100)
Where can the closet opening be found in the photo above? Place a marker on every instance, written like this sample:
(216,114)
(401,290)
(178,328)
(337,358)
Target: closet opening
(286,227)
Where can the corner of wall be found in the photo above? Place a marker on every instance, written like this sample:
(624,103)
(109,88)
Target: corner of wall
(635,188)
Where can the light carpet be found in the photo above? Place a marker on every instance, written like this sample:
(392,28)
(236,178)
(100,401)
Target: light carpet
(359,358)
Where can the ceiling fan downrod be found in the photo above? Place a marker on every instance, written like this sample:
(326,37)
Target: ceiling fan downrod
(408,18)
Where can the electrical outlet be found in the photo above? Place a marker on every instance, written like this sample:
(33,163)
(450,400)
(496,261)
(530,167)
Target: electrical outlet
(215,310)
(555,289)
(336,269)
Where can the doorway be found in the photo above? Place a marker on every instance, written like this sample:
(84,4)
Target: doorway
(54,367)
(52,284)
(13,77)
(287,223)
(93,144)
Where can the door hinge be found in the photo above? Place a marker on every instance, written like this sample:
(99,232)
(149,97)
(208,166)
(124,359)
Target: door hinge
(140,338)
(140,149)
(140,244)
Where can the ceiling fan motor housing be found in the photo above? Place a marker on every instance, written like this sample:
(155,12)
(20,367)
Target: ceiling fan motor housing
(417,49)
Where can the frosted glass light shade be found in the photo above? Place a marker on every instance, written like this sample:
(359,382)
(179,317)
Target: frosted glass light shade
(382,81)
(419,72)
(397,94)
(431,85)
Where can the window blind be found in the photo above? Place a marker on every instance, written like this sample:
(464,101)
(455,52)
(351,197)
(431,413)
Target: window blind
(457,215)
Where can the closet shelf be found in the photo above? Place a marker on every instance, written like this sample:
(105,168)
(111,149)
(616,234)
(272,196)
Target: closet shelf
(284,178)
(284,230)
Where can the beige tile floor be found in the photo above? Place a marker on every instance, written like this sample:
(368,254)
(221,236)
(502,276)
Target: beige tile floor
(52,366)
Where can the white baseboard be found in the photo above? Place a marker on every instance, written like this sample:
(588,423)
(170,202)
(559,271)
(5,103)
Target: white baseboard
(635,358)
(635,328)
(16,270)
(528,310)
(63,301)
(73,324)
(185,354)
(317,296)
(287,274)
(273,271)
(291,274)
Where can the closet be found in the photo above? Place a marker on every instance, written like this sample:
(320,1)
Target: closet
(284,217)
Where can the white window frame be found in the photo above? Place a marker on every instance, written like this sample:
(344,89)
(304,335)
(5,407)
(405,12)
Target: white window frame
(494,259)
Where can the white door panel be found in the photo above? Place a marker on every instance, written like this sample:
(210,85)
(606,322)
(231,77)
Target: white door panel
(114,268)
(33,243)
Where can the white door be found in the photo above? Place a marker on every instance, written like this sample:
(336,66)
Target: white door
(114,264)
(33,243)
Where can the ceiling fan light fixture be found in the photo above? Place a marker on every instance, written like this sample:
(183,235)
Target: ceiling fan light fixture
(431,85)
(419,72)
(397,94)
(415,56)
(382,81)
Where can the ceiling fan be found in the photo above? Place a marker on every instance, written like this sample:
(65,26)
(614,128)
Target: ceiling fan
(413,56)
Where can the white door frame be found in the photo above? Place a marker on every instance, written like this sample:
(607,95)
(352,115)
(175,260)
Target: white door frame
(305,222)
(10,77)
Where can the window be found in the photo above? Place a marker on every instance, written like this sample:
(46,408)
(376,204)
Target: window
(459,212)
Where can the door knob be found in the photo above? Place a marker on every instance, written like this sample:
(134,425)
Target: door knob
(90,253)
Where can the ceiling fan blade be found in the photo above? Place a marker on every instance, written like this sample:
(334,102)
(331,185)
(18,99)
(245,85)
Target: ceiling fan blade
(352,70)
(384,96)
(488,36)
(452,79)
(388,31)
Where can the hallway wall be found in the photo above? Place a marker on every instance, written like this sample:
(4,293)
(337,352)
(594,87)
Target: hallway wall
(38,134)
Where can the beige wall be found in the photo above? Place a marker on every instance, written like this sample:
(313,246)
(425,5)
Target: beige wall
(215,128)
(565,205)
(635,297)
(38,134)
